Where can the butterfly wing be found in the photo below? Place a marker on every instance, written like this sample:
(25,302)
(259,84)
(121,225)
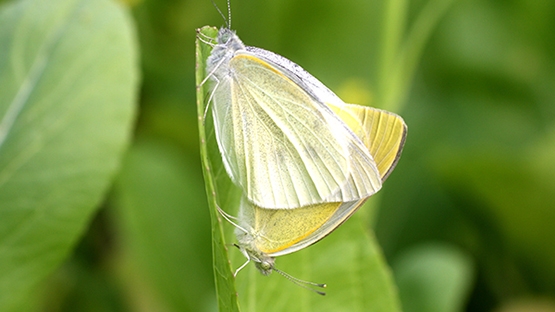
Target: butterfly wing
(279,232)
(283,147)
(383,132)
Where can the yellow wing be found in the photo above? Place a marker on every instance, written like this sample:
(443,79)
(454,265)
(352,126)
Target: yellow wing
(384,133)
(279,232)
(276,231)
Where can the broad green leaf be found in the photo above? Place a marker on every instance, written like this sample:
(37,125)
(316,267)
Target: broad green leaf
(68,76)
(348,260)
(433,277)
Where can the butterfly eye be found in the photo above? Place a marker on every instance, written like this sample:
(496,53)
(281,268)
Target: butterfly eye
(265,266)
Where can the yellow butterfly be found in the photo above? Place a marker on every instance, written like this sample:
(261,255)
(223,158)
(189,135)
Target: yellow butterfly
(267,233)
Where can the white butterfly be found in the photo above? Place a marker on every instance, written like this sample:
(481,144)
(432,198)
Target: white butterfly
(280,134)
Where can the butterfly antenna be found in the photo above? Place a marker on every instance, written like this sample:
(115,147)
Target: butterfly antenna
(229,14)
(303,283)
(227,23)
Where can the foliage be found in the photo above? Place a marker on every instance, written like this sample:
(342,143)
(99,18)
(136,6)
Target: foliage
(68,76)
(471,196)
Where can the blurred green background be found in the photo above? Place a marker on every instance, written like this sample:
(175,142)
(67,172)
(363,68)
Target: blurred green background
(475,183)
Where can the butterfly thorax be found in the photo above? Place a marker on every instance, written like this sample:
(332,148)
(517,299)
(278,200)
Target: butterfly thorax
(224,50)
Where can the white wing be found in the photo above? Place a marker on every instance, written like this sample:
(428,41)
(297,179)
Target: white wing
(281,145)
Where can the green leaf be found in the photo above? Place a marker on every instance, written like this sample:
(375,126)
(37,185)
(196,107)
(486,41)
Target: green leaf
(434,277)
(68,76)
(223,276)
(348,260)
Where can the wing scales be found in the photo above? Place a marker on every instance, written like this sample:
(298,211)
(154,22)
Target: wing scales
(382,132)
(283,148)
